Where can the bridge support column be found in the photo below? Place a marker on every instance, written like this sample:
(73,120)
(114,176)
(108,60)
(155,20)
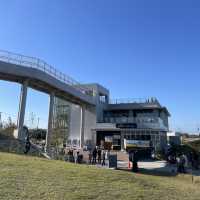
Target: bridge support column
(22,109)
(82,125)
(50,122)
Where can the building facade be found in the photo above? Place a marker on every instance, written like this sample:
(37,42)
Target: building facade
(174,138)
(119,124)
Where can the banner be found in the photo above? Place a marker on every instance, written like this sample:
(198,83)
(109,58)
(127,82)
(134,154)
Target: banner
(136,143)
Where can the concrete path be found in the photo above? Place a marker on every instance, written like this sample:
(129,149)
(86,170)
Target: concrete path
(149,165)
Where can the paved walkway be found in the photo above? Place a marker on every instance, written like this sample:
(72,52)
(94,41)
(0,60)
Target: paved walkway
(161,166)
(157,166)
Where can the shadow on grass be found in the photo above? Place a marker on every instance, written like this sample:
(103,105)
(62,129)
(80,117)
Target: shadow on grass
(157,172)
(152,172)
(166,170)
(163,172)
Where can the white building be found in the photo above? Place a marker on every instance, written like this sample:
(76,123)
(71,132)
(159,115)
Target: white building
(116,120)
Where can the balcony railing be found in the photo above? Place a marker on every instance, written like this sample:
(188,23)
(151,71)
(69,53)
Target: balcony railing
(142,122)
(132,119)
(134,100)
(37,63)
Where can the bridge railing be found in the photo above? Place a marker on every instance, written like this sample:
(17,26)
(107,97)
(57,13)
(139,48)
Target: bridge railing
(32,62)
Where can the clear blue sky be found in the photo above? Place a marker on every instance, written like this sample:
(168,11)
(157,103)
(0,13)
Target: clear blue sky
(136,48)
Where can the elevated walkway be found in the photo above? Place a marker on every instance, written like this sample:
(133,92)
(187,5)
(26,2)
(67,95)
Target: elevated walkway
(43,77)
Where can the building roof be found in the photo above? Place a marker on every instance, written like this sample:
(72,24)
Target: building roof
(137,106)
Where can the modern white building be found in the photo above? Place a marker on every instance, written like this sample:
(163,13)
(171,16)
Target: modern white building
(111,122)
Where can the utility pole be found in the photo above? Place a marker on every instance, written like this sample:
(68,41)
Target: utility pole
(38,121)
(32,119)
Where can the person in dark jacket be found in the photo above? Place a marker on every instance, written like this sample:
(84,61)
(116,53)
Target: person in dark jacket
(90,157)
(27,145)
(135,162)
(99,155)
(94,155)
(133,157)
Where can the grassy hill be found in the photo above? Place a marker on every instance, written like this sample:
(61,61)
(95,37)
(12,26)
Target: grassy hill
(25,177)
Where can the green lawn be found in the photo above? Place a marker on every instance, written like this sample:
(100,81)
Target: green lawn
(23,177)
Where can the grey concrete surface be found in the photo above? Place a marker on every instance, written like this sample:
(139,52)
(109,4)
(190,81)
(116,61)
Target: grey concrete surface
(42,81)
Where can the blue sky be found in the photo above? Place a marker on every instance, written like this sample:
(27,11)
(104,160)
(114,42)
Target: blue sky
(136,48)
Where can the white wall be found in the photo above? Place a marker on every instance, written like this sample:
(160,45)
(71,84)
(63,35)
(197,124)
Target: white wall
(90,122)
(75,118)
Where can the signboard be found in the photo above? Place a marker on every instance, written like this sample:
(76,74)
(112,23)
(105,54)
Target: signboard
(136,143)
(126,125)
(116,137)
(108,138)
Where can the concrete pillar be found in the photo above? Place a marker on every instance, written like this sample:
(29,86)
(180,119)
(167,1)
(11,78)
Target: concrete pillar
(82,125)
(50,122)
(94,138)
(22,109)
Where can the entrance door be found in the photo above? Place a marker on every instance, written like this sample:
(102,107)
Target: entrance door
(112,140)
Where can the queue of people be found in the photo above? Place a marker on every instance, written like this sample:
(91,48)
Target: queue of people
(95,156)
(73,156)
(98,156)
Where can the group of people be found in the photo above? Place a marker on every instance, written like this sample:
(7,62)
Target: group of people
(184,161)
(73,156)
(181,163)
(95,156)
(98,156)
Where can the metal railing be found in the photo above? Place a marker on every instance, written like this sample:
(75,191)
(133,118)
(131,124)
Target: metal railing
(133,100)
(32,62)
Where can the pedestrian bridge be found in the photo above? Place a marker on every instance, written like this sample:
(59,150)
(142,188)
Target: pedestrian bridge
(37,74)
(43,77)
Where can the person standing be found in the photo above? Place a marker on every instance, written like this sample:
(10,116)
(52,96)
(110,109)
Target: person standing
(27,140)
(90,157)
(103,158)
(183,161)
(181,164)
(99,155)
(135,161)
(178,162)
(107,154)
(94,156)
(27,145)
(77,159)
(186,165)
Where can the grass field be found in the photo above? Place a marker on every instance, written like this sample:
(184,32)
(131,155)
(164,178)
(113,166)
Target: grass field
(23,177)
